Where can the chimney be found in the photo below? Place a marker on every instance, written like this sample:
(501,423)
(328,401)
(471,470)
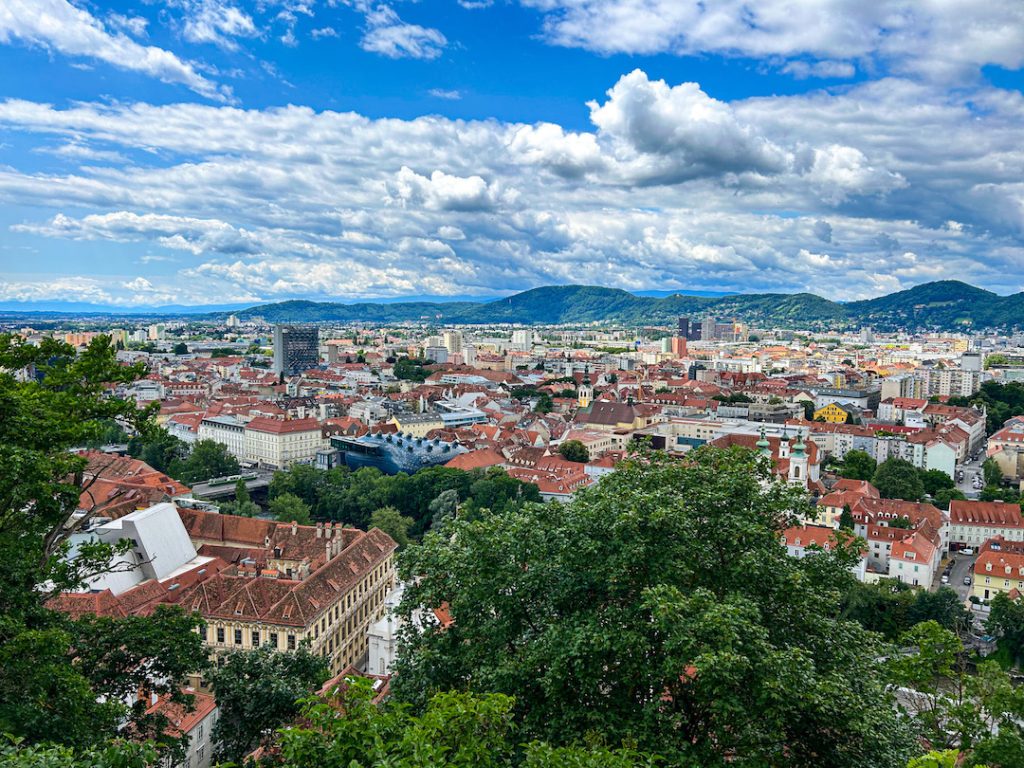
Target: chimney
(328,529)
(328,550)
(266,541)
(295,527)
(319,530)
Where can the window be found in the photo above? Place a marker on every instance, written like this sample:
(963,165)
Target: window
(199,753)
(291,642)
(273,640)
(220,634)
(255,638)
(238,637)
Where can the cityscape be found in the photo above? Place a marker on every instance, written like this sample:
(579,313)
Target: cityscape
(588,383)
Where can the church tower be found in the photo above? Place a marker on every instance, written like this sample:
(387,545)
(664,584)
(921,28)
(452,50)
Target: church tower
(584,395)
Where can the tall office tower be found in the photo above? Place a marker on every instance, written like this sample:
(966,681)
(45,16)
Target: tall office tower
(695,331)
(296,349)
(453,342)
(683,327)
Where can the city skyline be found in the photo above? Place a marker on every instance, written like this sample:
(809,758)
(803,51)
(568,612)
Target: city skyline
(203,152)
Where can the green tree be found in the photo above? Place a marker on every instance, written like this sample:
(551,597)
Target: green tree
(158,448)
(288,507)
(858,465)
(207,460)
(991,472)
(181,348)
(118,754)
(456,730)
(846,521)
(898,479)
(47,692)
(393,523)
(683,614)
(574,450)
(935,480)
(1006,621)
(258,691)
(945,495)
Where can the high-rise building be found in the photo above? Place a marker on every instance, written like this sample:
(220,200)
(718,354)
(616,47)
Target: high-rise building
(296,349)
(678,347)
(688,329)
(453,342)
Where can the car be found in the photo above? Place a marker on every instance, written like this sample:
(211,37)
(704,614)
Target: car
(967,581)
(967,551)
(944,579)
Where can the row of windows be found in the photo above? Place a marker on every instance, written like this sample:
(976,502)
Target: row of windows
(255,640)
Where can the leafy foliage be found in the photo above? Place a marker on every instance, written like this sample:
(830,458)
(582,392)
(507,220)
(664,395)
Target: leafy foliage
(1001,401)
(63,680)
(892,607)
(858,465)
(456,730)
(258,691)
(898,479)
(1006,621)
(574,450)
(659,609)
(288,507)
(393,523)
(208,459)
(352,497)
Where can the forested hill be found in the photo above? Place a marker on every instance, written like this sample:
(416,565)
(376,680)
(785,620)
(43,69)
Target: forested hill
(945,305)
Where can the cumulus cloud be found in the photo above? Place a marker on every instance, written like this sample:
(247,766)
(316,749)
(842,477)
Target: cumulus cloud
(934,39)
(667,134)
(389,36)
(672,188)
(444,192)
(214,21)
(58,25)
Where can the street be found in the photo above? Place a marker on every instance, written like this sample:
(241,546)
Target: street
(970,468)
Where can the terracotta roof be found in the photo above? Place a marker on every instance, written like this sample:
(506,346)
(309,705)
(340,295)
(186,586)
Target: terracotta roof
(283,426)
(990,513)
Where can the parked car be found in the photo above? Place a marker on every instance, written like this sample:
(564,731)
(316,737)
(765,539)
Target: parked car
(944,579)
(967,551)
(967,580)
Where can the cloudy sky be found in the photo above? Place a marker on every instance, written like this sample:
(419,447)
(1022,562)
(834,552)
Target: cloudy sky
(159,152)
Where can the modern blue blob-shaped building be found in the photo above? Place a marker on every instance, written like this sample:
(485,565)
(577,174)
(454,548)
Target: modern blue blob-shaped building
(390,453)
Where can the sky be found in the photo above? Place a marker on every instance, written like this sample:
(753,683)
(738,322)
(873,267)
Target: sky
(198,152)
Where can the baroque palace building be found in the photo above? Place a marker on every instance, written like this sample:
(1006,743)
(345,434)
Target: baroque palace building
(255,582)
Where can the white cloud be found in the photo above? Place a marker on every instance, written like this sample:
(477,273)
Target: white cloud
(664,134)
(132,25)
(214,21)
(60,26)
(389,36)
(441,93)
(936,38)
(802,70)
(854,189)
(323,32)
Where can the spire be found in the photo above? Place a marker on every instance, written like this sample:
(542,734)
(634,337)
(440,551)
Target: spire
(799,447)
(763,445)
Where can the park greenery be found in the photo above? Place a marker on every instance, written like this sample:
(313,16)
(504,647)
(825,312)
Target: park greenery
(351,497)
(1001,401)
(574,450)
(899,479)
(683,615)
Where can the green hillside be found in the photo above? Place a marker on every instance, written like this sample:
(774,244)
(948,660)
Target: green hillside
(945,305)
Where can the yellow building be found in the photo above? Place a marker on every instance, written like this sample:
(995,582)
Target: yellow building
(831,413)
(417,424)
(997,571)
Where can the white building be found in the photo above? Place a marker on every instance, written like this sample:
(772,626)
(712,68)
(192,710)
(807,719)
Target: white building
(972,523)
(226,430)
(278,443)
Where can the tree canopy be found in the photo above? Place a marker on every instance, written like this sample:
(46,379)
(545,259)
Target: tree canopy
(898,479)
(858,465)
(574,450)
(659,609)
(258,691)
(64,680)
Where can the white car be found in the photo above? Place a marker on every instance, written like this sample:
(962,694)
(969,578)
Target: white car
(945,578)
(968,551)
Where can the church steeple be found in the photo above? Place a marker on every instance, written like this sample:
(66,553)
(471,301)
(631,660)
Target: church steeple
(763,446)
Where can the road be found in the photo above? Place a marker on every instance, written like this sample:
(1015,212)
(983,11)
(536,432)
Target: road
(970,468)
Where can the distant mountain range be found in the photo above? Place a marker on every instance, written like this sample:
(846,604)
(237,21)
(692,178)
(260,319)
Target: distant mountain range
(944,305)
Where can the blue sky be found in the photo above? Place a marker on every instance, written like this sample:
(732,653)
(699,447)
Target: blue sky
(221,151)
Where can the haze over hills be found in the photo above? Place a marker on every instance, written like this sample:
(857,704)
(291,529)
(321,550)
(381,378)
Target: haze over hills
(947,305)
